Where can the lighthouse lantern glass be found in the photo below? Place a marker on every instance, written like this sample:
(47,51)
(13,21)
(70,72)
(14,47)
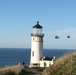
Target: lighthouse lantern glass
(37,31)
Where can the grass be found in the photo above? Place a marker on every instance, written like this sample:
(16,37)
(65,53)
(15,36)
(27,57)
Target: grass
(65,65)
(8,73)
(23,72)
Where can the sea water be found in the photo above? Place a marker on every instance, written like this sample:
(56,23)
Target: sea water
(13,56)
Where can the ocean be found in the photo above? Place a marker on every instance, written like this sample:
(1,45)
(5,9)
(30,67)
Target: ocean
(13,56)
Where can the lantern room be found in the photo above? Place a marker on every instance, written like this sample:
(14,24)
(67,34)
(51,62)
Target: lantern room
(37,30)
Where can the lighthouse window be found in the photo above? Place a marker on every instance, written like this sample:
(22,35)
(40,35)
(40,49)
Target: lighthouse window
(33,53)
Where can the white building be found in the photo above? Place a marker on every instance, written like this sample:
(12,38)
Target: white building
(46,61)
(37,59)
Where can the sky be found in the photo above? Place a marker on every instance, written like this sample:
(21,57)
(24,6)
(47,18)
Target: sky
(58,17)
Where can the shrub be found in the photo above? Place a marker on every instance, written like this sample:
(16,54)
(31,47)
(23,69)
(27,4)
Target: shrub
(25,72)
(9,73)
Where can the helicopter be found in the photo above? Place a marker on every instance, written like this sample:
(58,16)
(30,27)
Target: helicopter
(57,37)
(68,36)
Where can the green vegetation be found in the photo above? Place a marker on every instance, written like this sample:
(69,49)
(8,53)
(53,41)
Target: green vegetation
(65,65)
(25,72)
(8,73)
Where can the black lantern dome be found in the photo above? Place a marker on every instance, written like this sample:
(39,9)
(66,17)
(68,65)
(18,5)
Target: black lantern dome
(37,25)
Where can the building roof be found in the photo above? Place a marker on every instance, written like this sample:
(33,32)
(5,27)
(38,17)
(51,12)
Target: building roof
(47,58)
(37,25)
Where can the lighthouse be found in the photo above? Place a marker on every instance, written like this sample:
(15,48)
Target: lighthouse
(36,45)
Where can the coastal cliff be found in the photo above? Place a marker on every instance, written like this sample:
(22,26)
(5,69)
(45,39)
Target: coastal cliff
(65,65)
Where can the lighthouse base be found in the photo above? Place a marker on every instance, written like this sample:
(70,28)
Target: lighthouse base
(34,65)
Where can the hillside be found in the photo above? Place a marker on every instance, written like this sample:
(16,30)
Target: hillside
(65,65)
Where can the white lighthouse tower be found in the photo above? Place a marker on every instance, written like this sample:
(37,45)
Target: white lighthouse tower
(36,45)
